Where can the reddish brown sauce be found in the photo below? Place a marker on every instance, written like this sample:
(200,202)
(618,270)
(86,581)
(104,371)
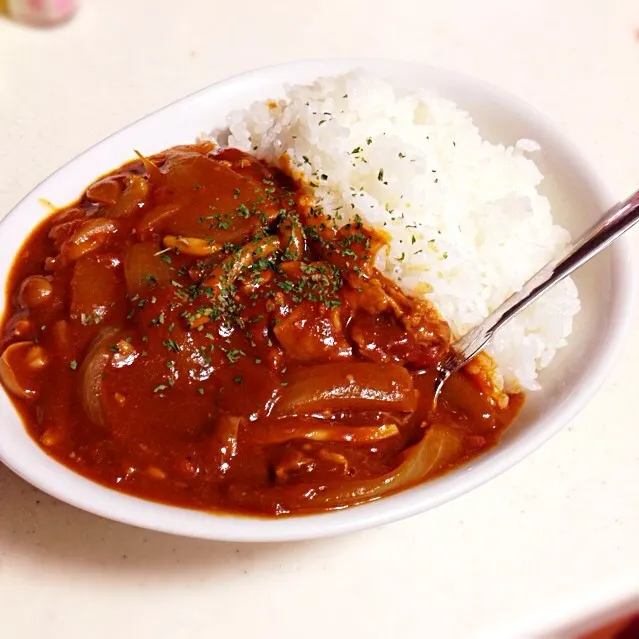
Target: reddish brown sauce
(194,331)
(625,628)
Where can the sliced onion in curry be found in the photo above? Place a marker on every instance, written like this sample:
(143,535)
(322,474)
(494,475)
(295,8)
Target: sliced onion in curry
(136,190)
(89,237)
(144,268)
(105,191)
(283,430)
(347,386)
(92,371)
(155,216)
(439,447)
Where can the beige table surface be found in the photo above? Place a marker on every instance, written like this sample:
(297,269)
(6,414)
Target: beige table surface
(559,530)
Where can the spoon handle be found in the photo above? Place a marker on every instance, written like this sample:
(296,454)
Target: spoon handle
(606,230)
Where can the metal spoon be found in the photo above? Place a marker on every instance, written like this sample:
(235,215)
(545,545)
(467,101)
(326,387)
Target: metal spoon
(606,230)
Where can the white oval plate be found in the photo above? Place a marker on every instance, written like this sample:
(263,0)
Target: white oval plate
(578,198)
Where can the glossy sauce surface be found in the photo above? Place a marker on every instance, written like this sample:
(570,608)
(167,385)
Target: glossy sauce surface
(194,331)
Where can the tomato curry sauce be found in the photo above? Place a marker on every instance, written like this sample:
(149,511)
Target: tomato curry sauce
(195,331)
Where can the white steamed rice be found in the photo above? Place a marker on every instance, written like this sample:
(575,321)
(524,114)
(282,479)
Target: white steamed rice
(467,223)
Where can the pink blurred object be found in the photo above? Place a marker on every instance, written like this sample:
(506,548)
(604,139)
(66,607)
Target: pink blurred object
(42,13)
